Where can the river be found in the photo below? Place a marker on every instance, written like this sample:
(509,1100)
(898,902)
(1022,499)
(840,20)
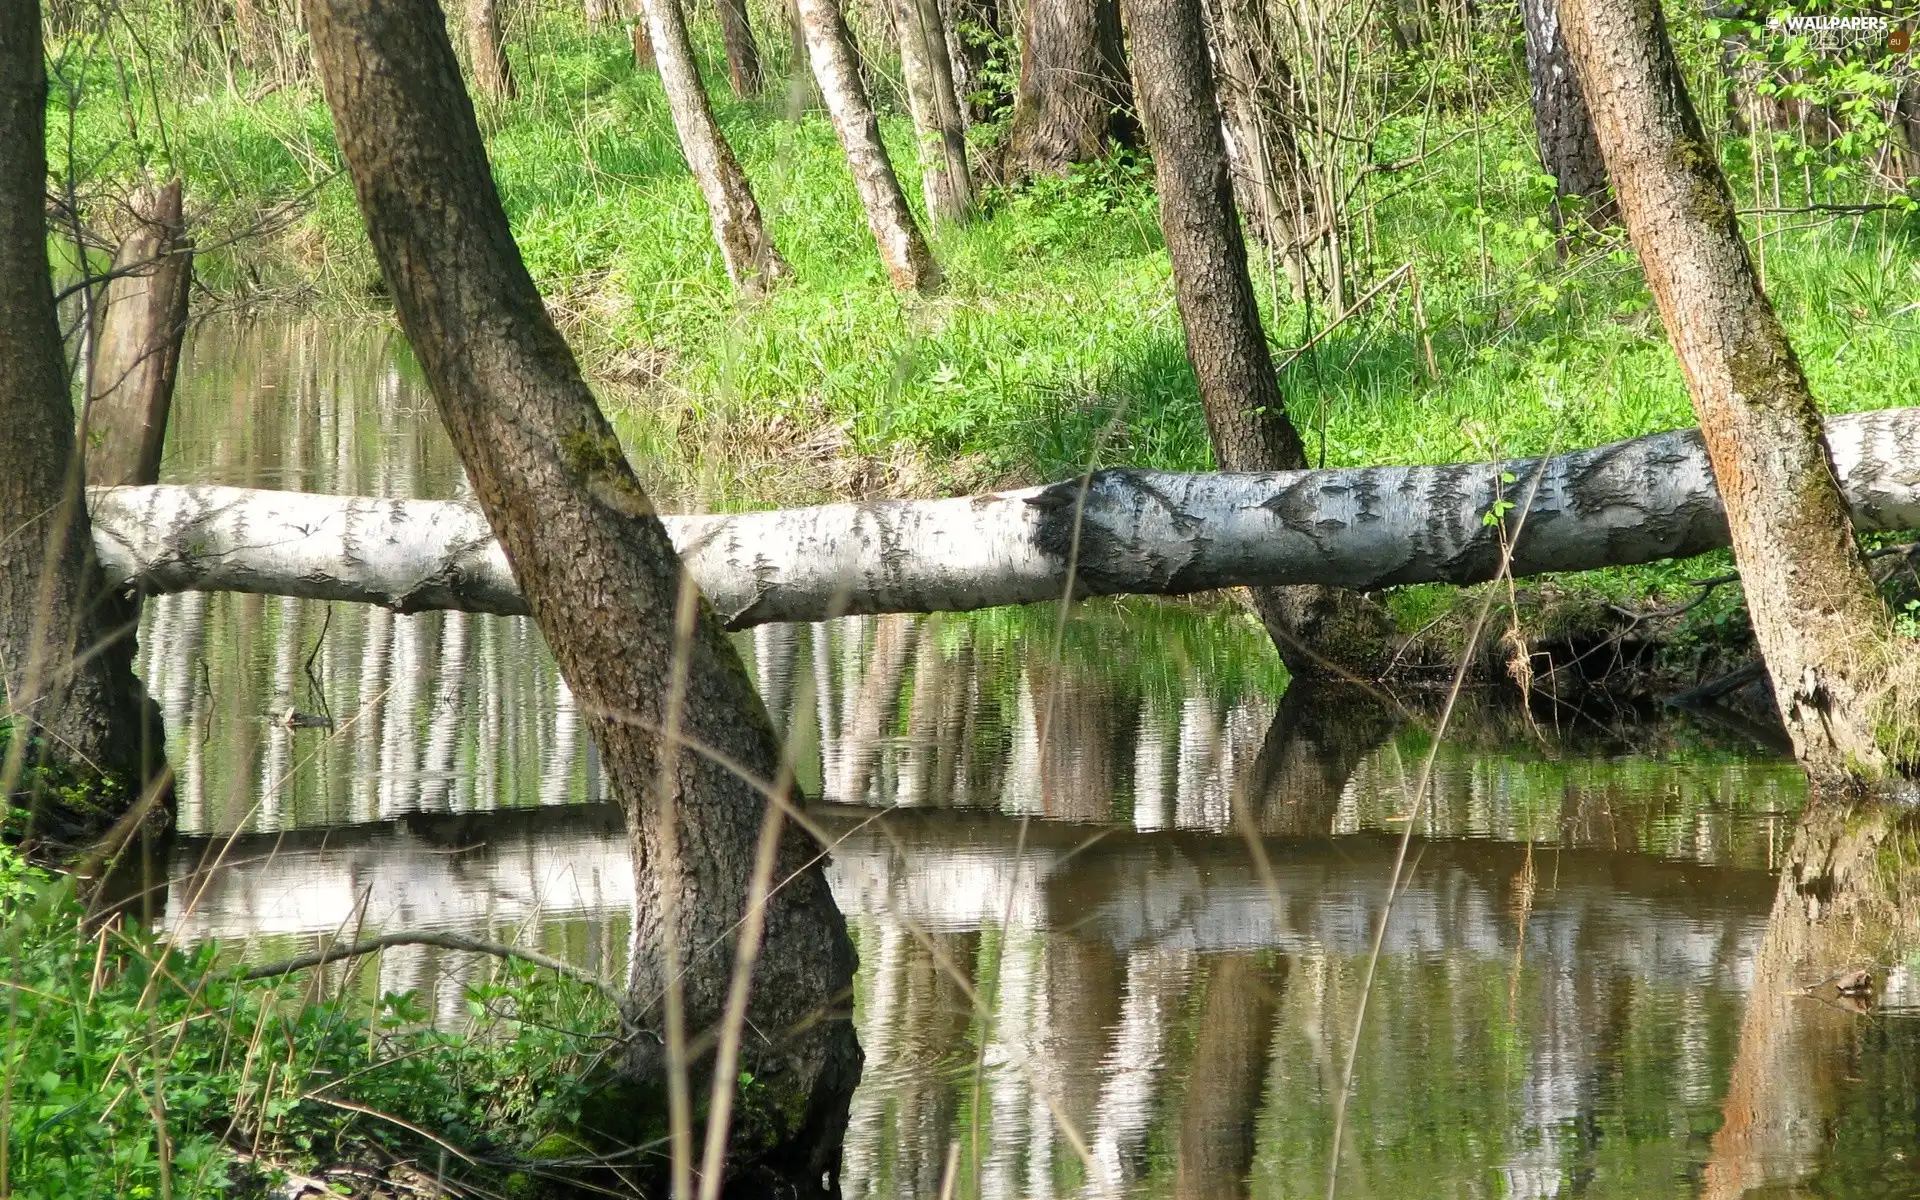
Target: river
(1079,975)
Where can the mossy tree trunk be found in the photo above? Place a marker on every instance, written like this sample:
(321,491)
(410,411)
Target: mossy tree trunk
(1073,101)
(603,585)
(836,68)
(752,262)
(1226,344)
(65,662)
(1825,634)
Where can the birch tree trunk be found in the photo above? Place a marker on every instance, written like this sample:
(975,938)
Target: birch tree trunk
(1072,101)
(937,119)
(743,52)
(1141,532)
(1226,344)
(1825,634)
(137,351)
(492,74)
(1568,149)
(751,260)
(67,669)
(602,583)
(836,68)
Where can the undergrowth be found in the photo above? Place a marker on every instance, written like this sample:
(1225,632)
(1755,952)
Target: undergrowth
(137,1068)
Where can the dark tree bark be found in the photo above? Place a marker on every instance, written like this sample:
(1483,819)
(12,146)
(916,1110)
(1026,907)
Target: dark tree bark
(66,665)
(965,22)
(1073,100)
(1226,344)
(751,260)
(137,351)
(492,73)
(1825,634)
(743,52)
(602,582)
(836,68)
(1568,149)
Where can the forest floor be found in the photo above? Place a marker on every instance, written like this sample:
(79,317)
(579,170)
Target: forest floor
(1055,345)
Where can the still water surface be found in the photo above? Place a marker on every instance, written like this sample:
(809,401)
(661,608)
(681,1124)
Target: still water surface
(1076,977)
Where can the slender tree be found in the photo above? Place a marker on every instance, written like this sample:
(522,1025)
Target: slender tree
(1568,149)
(1823,631)
(752,262)
(1073,101)
(492,73)
(137,351)
(1226,344)
(1270,175)
(744,71)
(682,735)
(836,68)
(927,69)
(66,665)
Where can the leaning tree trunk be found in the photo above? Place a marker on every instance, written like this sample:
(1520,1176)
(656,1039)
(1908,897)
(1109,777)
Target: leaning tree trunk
(1568,149)
(137,351)
(743,52)
(1239,392)
(937,120)
(1072,102)
(836,68)
(66,668)
(603,584)
(492,74)
(751,260)
(1826,636)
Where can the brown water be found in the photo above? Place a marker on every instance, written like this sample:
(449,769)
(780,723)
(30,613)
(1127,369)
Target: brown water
(1077,978)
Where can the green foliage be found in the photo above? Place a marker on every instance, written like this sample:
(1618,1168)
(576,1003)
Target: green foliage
(136,1068)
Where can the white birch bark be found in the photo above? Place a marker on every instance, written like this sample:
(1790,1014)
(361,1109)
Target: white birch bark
(752,262)
(1143,532)
(836,69)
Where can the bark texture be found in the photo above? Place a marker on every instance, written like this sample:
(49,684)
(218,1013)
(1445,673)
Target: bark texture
(492,74)
(836,68)
(601,579)
(66,667)
(1270,177)
(1226,344)
(751,260)
(1145,532)
(937,119)
(1823,631)
(1568,148)
(137,351)
(1073,100)
(743,51)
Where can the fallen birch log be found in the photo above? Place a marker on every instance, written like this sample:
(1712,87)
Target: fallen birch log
(1127,531)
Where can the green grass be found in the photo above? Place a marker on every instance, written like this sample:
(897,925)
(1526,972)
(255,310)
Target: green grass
(130,1067)
(1056,344)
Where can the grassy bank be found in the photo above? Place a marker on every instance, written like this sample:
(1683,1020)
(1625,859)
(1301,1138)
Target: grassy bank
(1055,345)
(137,1068)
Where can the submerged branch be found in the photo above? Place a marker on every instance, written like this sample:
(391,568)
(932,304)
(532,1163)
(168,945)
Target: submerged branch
(1142,532)
(443,941)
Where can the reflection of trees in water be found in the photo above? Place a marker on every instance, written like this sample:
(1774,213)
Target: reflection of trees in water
(1848,898)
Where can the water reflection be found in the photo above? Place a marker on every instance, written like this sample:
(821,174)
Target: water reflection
(1076,980)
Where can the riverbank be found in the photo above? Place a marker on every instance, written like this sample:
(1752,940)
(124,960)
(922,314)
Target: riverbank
(1055,346)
